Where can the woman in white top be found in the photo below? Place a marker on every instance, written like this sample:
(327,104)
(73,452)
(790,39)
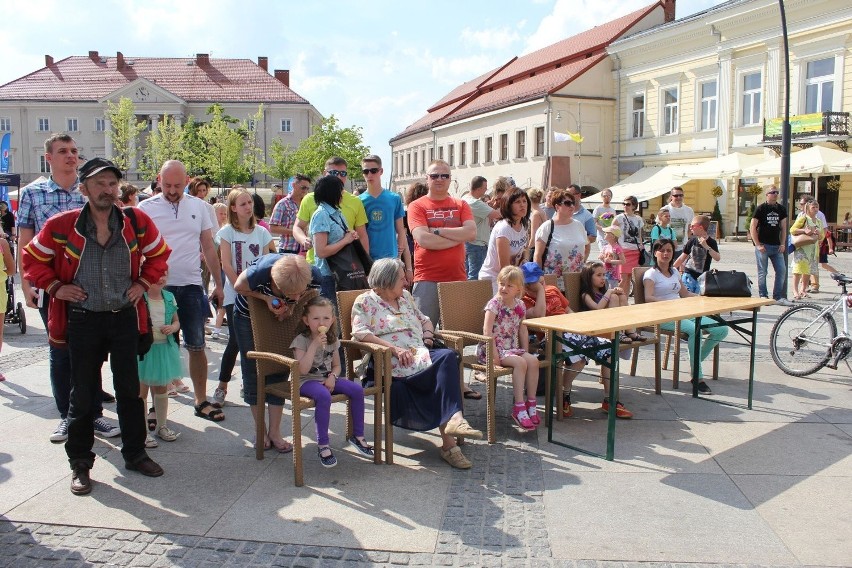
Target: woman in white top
(631,226)
(663,283)
(560,243)
(507,244)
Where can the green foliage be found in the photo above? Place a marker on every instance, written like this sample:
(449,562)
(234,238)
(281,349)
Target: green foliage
(280,168)
(193,149)
(164,144)
(750,214)
(253,160)
(717,216)
(222,159)
(124,131)
(328,139)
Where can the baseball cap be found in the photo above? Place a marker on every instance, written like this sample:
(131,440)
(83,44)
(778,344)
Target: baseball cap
(96,166)
(532,272)
(614,229)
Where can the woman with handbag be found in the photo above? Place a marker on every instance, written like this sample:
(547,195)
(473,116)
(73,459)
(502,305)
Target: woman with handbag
(806,232)
(560,243)
(631,226)
(507,245)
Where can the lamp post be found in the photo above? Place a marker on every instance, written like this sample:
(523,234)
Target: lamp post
(785,141)
(577,122)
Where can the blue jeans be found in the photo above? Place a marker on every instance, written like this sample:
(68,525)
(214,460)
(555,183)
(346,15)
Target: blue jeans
(474,256)
(691,283)
(776,255)
(193,309)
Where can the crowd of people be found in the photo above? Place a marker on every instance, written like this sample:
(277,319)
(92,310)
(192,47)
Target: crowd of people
(76,228)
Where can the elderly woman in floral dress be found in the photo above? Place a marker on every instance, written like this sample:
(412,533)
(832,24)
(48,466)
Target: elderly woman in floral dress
(426,392)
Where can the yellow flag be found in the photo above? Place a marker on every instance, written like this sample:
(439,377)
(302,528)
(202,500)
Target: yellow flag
(576,137)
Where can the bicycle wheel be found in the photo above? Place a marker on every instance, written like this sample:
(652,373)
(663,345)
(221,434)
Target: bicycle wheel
(800,341)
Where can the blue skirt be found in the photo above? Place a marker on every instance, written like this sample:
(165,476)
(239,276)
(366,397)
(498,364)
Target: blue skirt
(425,400)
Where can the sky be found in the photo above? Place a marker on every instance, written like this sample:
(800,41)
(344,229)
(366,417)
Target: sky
(374,64)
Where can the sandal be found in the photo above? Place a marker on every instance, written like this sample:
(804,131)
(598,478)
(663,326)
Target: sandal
(625,339)
(152,420)
(473,395)
(180,386)
(213,414)
(637,337)
(284,447)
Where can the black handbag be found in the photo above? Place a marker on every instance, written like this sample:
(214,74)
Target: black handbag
(350,265)
(725,283)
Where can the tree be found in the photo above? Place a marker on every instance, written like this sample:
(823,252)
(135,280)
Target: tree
(281,155)
(124,132)
(253,160)
(222,160)
(164,144)
(193,149)
(328,139)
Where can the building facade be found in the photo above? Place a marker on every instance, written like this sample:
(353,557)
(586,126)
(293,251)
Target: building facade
(71,95)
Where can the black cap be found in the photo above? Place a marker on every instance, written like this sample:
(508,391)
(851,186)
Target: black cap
(96,166)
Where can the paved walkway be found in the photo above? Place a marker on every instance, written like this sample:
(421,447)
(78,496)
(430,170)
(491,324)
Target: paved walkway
(693,483)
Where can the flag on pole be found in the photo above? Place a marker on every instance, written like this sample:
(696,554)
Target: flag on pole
(5,148)
(565,137)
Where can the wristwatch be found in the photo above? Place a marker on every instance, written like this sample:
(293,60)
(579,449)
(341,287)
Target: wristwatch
(436,232)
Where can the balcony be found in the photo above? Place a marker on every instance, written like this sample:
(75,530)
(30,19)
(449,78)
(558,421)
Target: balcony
(806,129)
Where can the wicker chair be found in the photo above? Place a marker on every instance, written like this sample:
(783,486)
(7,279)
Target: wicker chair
(639,298)
(272,352)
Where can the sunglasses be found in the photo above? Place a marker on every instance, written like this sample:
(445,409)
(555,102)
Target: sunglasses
(439,176)
(366,171)
(338,173)
(627,204)
(771,193)
(677,195)
(567,202)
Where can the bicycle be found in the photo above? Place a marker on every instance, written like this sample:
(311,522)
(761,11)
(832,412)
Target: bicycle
(805,338)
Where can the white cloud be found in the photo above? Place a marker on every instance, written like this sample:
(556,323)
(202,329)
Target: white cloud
(455,70)
(494,38)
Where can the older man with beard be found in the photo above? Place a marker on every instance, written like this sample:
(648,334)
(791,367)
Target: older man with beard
(184,223)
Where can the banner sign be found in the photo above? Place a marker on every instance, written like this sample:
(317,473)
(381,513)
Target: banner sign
(799,124)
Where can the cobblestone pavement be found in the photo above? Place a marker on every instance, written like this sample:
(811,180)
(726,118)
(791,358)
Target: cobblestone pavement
(494,514)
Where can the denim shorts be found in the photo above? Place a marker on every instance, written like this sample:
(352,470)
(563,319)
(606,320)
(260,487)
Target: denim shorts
(193,309)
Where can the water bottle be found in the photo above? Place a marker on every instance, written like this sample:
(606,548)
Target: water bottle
(276,303)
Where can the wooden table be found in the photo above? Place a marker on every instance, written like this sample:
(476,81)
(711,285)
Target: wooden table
(640,315)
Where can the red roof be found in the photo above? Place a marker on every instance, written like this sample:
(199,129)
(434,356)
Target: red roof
(529,76)
(82,78)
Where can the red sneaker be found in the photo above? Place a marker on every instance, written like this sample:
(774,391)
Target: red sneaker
(620,411)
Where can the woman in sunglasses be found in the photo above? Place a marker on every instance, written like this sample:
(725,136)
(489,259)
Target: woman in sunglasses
(631,226)
(560,243)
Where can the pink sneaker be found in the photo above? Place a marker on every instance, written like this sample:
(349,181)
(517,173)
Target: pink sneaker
(522,419)
(533,414)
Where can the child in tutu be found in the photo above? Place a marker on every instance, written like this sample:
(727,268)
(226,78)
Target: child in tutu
(162,364)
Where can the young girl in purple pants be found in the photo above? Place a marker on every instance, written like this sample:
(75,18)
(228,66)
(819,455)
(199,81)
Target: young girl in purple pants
(318,351)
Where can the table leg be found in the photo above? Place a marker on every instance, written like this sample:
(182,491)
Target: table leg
(751,358)
(551,380)
(696,363)
(613,396)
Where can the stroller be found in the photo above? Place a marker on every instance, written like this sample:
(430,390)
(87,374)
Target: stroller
(15,314)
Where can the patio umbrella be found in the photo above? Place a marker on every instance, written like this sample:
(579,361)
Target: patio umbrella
(723,167)
(814,160)
(842,166)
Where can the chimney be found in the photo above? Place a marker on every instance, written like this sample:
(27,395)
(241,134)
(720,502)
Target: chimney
(283,75)
(202,59)
(263,63)
(119,60)
(93,55)
(669,10)
(48,60)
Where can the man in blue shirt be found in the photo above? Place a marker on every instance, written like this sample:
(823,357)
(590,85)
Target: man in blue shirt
(582,215)
(384,217)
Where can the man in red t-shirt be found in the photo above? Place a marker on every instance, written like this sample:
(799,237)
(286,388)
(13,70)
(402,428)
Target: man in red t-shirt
(440,225)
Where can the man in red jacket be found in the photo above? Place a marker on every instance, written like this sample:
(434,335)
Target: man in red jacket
(96,263)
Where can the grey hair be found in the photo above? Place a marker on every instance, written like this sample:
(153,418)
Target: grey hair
(384,273)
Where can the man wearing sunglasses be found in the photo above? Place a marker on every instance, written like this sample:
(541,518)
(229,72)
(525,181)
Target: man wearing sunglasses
(768,231)
(440,225)
(384,217)
(350,206)
(681,215)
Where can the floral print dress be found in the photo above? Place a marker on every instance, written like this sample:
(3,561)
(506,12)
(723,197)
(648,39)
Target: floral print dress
(507,322)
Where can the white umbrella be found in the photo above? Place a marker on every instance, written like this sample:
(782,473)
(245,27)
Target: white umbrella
(842,166)
(814,160)
(723,167)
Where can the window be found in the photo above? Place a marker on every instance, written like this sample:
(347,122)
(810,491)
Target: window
(423,160)
(462,152)
(285,125)
(42,165)
(474,152)
(440,152)
(414,158)
(401,163)
(638,116)
(251,124)
(408,163)
(451,149)
(44,125)
(489,149)
(709,101)
(71,125)
(100,125)
(504,147)
(149,125)
(819,85)
(670,108)
(431,154)
(751,99)
(521,144)
(5,124)
(539,141)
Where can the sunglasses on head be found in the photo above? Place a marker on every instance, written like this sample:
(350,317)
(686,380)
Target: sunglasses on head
(439,176)
(366,171)
(338,173)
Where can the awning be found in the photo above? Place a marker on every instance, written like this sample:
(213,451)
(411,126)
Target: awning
(647,183)
(723,167)
(814,160)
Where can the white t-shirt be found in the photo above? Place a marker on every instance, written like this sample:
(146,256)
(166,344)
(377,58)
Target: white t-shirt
(681,218)
(665,288)
(630,232)
(600,210)
(214,219)
(517,242)
(245,249)
(181,225)
(567,248)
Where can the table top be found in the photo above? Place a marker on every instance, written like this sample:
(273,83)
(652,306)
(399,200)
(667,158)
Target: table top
(605,323)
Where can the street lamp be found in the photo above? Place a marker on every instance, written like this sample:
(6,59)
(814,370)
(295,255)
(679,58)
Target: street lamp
(577,122)
(785,138)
